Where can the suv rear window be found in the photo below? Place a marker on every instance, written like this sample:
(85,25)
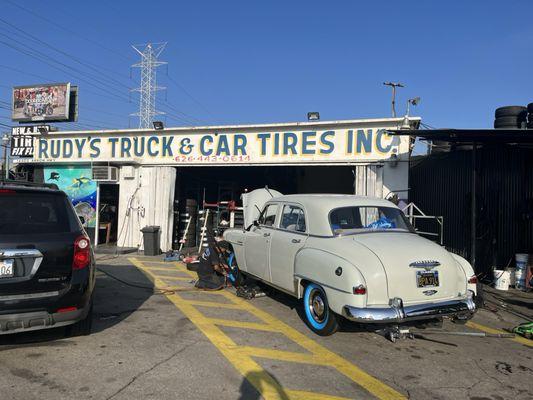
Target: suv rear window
(25,212)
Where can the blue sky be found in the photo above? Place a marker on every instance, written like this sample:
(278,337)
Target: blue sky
(272,61)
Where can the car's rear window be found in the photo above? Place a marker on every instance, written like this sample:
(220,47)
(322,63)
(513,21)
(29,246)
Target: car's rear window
(368,218)
(25,212)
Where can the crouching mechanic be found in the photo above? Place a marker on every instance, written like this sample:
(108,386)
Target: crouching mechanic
(212,266)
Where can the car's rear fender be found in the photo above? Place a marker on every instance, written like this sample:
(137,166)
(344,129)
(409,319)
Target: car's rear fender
(336,275)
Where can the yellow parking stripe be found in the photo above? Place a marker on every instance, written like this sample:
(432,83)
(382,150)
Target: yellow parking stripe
(242,324)
(213,304)
(302,395)
(483,328)
(282,355)
(174,278)
(164,269)
(243,360)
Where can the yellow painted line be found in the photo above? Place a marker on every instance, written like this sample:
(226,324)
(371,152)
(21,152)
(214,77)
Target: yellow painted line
(165,269)
(174,278)
(303,395)
(483,328)
(243,324)
(213,304)
(282,355)
(251,370)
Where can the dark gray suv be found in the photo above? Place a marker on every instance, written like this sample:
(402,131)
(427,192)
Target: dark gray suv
(47,268)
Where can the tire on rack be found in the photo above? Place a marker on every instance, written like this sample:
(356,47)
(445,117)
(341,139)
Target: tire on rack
(83,327)
(511,120)
(509,111)
(317,314)
(507,123)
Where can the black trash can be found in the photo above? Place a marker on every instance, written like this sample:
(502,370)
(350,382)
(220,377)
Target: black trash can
(151,240)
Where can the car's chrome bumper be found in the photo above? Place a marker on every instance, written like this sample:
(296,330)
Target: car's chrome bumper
(396,312)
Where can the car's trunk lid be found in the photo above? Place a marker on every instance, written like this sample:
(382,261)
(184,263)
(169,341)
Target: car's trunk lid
(416,269)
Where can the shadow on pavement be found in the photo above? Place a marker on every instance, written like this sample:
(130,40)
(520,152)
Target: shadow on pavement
(249,392)
(113,302)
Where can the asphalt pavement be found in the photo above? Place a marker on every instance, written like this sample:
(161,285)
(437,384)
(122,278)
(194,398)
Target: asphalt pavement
(156,337)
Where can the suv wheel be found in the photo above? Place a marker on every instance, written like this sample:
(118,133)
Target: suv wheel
(83,327)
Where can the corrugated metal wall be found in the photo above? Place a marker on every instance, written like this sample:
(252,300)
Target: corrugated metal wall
(441,185)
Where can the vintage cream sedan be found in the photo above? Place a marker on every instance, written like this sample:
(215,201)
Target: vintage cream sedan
(350,256)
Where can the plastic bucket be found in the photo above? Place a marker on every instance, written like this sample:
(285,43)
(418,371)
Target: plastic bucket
(520,277)
(501,279)
(521,260)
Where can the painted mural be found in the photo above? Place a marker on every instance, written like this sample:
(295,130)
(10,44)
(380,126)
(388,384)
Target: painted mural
(76,182)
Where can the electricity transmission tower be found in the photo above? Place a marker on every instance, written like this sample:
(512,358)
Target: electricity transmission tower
(147,90)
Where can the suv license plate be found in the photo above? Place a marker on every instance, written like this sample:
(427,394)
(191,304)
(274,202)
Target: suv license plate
(427,279)
(6,269)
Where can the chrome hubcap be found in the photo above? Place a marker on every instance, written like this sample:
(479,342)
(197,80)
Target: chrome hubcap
(317,306)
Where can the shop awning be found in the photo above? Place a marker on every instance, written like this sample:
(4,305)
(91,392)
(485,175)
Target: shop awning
(470,135)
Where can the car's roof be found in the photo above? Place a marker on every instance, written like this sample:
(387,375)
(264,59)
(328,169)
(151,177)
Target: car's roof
(318,207)
(334,200)
(29,186)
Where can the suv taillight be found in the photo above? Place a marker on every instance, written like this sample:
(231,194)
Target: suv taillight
(82,253)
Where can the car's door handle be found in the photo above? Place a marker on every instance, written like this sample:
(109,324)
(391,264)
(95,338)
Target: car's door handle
(266,234)
(296,240)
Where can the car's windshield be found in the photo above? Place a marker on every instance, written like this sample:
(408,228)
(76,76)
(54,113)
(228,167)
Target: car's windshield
(368,218)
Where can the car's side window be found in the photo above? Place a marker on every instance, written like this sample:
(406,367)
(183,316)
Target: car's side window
(268,216)
(293,219)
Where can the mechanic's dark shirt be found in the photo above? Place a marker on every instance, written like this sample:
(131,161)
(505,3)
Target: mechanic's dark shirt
(207,276)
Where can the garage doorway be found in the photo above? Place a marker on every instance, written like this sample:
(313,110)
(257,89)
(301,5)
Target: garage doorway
(108,213)
(222,185)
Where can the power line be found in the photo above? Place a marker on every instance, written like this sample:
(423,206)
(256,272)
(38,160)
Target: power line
(66,29)
(50,61)
(84,63)
(178,85)
(32,52)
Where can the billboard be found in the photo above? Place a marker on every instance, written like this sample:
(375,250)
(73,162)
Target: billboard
(46,102)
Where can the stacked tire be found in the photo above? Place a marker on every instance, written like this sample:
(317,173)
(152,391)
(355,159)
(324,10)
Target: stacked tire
(189,212)
(530,116)
(511,117)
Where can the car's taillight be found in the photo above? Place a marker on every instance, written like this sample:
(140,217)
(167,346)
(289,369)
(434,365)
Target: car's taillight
(473,279)
(7,191)
(82,253)
(359,289)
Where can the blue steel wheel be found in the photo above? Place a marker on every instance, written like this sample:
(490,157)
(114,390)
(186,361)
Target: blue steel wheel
(318,315)
(234,276)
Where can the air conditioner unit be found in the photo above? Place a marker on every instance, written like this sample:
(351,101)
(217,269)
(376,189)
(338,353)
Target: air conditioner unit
(104,173)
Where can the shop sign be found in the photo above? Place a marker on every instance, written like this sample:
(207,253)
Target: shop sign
(310,146)
(23,138)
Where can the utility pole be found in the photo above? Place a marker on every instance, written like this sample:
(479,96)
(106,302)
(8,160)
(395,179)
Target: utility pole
(394,85)
(5,165)
(149,63)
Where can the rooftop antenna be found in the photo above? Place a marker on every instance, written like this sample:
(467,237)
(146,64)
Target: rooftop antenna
(394,85)
(149,62)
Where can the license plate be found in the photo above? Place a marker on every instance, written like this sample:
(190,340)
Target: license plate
(6,269)
(427,279)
